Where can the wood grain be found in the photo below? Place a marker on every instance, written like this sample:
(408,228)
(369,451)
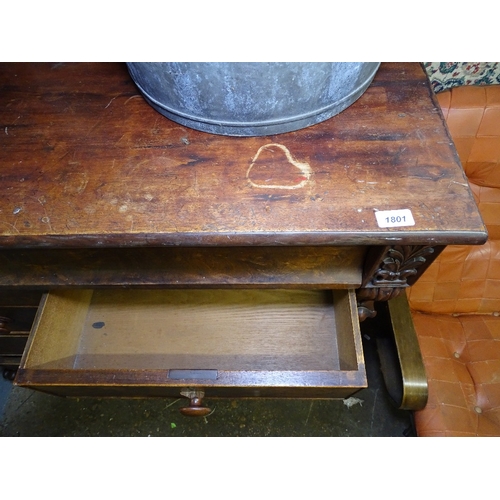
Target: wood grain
(188,329)
(262,342)
(173,267)
(85,161)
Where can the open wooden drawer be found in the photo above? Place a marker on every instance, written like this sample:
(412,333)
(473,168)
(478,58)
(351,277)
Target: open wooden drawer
(195,343)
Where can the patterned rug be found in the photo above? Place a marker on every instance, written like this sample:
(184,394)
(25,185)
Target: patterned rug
(444,75)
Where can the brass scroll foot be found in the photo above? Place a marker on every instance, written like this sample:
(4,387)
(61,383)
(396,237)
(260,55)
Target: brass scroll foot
(411,390)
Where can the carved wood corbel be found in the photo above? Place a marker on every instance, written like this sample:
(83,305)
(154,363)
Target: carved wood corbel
(388,271)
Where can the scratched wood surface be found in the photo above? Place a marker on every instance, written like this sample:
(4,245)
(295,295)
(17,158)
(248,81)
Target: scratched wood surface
(85,161)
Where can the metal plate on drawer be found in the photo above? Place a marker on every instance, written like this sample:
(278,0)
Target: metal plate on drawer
(193,374)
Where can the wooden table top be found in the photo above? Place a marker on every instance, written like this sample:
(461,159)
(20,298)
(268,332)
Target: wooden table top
(86,162)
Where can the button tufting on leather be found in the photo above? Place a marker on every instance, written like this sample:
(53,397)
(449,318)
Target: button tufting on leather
(462,286)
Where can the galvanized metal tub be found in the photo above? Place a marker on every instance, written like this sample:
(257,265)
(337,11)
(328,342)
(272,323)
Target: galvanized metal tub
(251,99)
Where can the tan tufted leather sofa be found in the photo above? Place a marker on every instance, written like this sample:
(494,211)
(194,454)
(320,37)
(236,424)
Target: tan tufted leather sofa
(456,303)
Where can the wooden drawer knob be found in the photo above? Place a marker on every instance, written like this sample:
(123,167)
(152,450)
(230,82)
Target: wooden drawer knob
(195,408)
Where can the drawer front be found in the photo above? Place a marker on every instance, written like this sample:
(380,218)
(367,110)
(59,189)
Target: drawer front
(237,343)
(17,312)
(183,267)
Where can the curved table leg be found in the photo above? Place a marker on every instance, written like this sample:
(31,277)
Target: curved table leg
(413,395)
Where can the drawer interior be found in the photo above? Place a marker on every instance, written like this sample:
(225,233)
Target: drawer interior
(213,332)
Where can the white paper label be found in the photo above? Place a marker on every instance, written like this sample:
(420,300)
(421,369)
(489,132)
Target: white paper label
(394,218)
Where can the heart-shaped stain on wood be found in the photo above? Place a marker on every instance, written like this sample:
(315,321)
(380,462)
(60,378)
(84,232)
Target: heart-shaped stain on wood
(274,167)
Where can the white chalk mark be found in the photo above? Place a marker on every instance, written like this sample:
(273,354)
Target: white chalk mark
(133,97)
(303,167)
(110,102)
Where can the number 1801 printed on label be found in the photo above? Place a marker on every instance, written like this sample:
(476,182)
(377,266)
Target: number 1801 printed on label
(394,218)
